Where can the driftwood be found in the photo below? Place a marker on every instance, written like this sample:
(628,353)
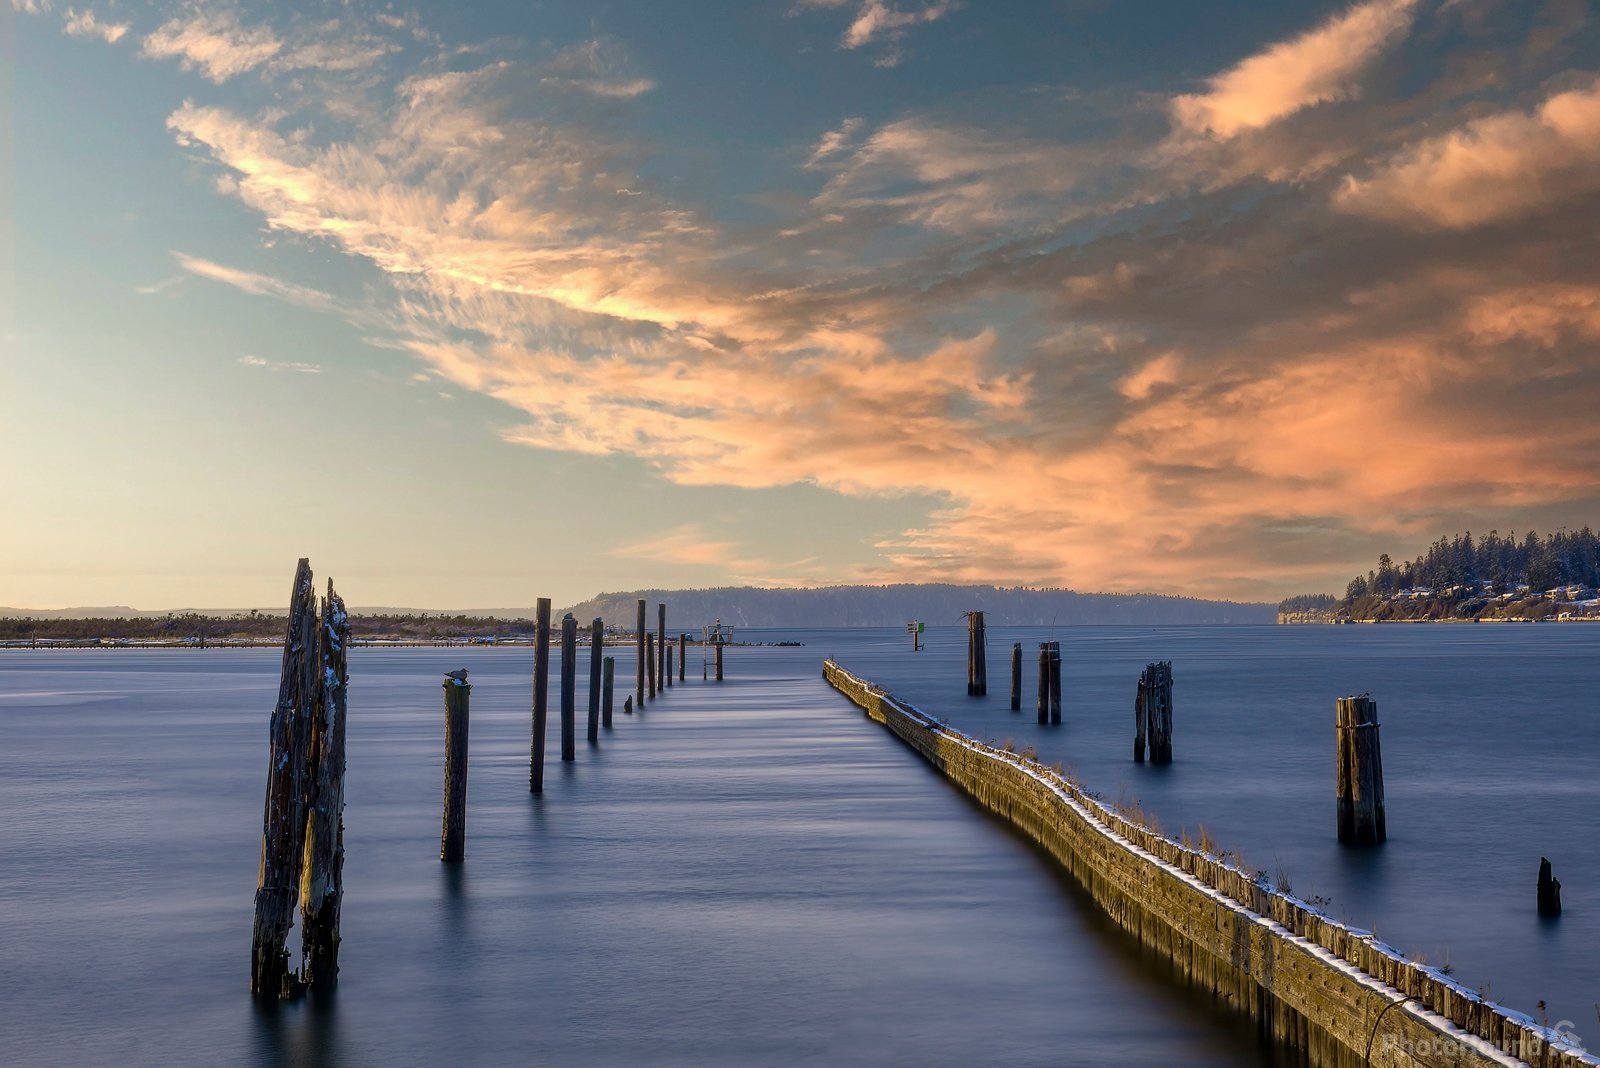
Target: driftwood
(322,868)
(453,836)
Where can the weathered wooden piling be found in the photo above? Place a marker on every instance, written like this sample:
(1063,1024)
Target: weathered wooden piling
(1016,677)
(1549,891)
(719,644)
(1044,683)
(453,837)
(627,705)
(638,638)
(1152,713)
(1360,772)
(608,678)
(683,654)
(977,659)
(322,869)
(650,664)
(668,675)
(597,648)
(1055,682)
(283,819)
(569,687)
(661,647)
(541,694)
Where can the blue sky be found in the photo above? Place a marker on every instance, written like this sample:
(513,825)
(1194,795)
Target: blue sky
(473,303)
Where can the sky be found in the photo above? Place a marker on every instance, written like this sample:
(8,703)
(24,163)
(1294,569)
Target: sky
(478,302)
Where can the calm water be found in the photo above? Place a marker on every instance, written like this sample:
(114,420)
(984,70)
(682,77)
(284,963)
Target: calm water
(1491,753)
(743,874)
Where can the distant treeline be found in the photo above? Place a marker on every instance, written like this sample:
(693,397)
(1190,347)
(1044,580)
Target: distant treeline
(1493,576)
(257,626)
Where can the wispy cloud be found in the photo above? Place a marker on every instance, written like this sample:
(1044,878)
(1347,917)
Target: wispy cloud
(250,282)
(883,22)
(293,366)
(1317,67)
(600,66)
(85,24)
(213,42)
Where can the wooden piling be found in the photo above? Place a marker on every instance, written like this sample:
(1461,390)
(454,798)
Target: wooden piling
(650,665)
(627,705)
(668,674)
(608,678)
(541,694)
(1360,772)
(283,819)
(719,645)
(1055,682)
(453,837)
(1153,713)
(1044,683)
(1549,891)
(597,648)
(322,869)
(638,637)
(1016,677)
(977,664)
(661,647)
(569,687)
(683,654)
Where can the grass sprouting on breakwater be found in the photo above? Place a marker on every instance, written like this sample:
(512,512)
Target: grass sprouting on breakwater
(1326,988)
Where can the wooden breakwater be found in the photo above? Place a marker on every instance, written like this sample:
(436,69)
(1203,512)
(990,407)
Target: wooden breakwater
(1330,990)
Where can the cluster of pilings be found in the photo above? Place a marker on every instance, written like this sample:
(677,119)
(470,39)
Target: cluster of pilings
(302,830)
(1152,713)
(302,842)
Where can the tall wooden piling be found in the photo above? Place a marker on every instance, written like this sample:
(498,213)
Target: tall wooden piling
(1549,891)
(1152,713)
(1055,682)
(667,677)
(1044,683)
(1360,772)
(283,819)
(608,678)
(719,645)
(650,665)
(661,647)
(977,658)
(541,694)
(1016,677)
(683,654)
(322,869)
(453,837)
(638,637)
(569,687)
(597,648)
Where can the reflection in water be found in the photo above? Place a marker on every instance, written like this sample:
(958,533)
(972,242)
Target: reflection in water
(299,1034)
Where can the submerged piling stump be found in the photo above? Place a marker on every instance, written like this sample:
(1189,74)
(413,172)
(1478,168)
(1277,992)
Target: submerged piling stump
(453,836)
(977,665)
(283,818)
(1016,676)
(541,695)
(1360,773)
(597,648)
(1549,891)
(322,870)
(627,705)
(608,677)
(569,687)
